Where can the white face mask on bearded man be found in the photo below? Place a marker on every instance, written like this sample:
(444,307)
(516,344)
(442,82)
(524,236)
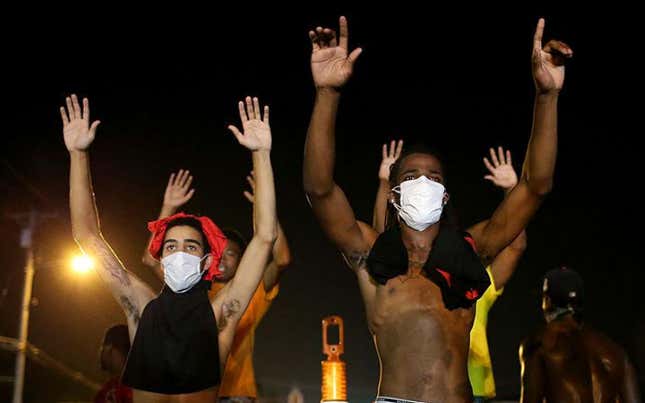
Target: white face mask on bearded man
(421,202)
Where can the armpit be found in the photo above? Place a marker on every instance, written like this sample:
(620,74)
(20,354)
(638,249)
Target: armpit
(130,308)
(229,308)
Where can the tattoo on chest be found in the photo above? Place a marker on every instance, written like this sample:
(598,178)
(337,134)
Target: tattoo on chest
(130,309)
(108,261)
(229,308)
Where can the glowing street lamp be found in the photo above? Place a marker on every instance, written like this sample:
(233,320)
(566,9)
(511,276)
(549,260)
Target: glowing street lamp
(82,263)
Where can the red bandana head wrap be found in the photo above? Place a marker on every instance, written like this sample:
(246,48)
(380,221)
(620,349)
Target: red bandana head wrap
(214,236)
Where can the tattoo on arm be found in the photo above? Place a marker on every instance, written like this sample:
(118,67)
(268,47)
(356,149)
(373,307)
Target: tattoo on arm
(131,311)
(229,308)
(109,262)
(356,259)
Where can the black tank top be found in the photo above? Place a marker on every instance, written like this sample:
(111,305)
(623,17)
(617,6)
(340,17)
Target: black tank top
(176,348)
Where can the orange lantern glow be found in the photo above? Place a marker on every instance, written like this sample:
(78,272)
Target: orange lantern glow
(334,381)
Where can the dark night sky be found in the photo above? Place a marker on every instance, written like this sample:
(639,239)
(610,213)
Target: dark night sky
(165,85)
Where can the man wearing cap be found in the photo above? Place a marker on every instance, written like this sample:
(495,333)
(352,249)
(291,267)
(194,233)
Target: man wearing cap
(178,334)
(566,360)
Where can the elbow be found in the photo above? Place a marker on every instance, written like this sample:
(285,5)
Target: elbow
(283,260)
(541,187)
(317,186)
(520,243)
(267,234)
(317,190)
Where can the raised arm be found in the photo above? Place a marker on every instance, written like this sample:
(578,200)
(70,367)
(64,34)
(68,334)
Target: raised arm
(178,192)
(331,67)
(280,254)
(516,210)
(132,294)
(502,174)
(389,157)
(232,301)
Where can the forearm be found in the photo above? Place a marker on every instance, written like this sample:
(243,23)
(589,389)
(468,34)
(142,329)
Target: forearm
(281,251)
(84,217)
(280,260)
(128,291)
(380,206)
(264,207)
(519,244)
(505,263)
(147,259)
(541,154)
(318,170)
(240,289)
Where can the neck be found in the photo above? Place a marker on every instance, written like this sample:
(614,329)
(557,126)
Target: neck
(561,317)
(418,243)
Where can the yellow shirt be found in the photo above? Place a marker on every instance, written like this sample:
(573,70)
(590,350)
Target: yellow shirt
(239,376)
(480,367)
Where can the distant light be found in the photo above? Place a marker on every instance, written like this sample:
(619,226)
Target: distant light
(82,264)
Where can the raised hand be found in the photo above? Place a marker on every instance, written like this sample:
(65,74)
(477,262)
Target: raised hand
(548,62)
(330,64)
(501,169)
(257,133)
(389,157)
(178,191)
(77,131)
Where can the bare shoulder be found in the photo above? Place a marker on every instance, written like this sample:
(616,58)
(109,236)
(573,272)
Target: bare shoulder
(606,348)
(532,345)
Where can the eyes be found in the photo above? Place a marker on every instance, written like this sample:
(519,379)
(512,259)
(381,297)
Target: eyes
(230,252)
(171,247)
(435,178)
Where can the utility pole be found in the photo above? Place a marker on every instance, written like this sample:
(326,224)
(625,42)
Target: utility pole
(33,218)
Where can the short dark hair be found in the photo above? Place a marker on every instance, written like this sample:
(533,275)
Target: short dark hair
(118,337)
(235,236)
(193,223)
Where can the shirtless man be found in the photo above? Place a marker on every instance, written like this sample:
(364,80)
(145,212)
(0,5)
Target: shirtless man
(179,333)
(418,283)
(502,174)
(566,361)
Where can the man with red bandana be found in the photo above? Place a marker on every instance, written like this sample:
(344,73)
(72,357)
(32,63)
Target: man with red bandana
(238,381)
(179,333)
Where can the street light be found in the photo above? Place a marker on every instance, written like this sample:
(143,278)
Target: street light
(82,263)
